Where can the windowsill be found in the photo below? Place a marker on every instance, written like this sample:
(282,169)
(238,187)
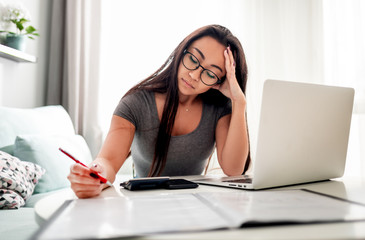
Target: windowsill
(16,55)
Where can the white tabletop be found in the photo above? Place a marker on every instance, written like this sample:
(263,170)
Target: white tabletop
(349,188)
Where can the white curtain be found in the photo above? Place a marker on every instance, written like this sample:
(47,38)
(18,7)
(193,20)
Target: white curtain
(82,63)
(344,65)
(311,41)
(284,42)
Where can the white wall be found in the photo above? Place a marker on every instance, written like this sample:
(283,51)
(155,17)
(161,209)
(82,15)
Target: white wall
(23,84)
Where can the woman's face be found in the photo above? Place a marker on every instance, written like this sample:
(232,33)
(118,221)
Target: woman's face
(207,52)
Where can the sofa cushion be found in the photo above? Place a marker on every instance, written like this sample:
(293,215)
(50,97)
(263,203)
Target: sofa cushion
(17,225)
(44,151)
(49,120)
(31,202)
(18,180)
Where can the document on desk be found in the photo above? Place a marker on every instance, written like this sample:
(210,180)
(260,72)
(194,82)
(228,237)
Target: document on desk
(169,213)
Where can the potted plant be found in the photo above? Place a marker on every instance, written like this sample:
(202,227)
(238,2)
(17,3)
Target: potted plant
(15,28)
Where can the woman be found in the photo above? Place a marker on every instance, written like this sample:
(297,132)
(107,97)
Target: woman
(172,120)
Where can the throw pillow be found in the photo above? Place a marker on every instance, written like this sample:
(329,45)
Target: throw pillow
(44,151)
(18,180)
(10,199)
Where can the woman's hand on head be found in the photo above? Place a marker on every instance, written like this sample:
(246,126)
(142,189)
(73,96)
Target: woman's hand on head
(82,183)
(230,88)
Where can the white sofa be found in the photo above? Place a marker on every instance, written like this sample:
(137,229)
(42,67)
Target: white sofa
(34,135)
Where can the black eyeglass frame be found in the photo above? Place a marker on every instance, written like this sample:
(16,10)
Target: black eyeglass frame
(219,81)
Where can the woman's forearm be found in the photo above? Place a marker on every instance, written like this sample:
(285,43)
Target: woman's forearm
(236,147)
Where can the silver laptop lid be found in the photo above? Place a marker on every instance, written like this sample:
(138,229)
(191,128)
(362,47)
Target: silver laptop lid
(303,133)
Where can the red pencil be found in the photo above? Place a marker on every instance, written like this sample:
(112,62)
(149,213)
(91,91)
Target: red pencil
(95,175)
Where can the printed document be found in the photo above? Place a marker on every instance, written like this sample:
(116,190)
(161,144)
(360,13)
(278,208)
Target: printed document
(145,215)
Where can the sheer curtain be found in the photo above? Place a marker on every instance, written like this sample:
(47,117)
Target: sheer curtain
(82,64)
(284,42)
(73,75)
(283,39)
(344,58)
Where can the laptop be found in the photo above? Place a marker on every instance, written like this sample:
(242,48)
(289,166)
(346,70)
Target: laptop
(302,137)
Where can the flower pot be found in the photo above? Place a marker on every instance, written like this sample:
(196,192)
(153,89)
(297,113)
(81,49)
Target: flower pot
(15,41)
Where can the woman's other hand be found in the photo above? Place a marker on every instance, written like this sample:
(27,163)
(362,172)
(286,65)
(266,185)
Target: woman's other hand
(230,88)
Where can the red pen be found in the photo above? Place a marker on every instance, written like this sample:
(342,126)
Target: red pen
(94,175)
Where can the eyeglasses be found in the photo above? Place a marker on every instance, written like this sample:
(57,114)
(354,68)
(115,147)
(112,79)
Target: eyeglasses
(208,77)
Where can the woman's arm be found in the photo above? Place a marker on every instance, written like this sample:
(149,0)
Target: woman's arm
(232,141)
(109,160)
(116,146)
(231,132)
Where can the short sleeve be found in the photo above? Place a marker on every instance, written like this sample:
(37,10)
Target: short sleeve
(127,108)
(139,108)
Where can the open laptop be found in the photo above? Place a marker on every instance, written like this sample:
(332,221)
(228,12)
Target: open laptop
(302,137)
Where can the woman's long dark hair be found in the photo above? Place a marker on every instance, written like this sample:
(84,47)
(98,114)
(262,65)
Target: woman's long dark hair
(164,80)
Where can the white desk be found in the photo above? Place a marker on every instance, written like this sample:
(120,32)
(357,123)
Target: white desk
(349,188)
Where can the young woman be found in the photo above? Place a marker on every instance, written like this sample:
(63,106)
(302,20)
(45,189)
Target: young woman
(172,121)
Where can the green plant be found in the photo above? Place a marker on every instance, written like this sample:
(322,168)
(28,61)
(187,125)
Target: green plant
(18,16)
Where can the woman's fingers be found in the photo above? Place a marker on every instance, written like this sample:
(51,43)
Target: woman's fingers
(82,183)
(230,88)
(230,63)
(86,191)
(231,58)
(80,174)
(97,168)
(227,58)
(79,169)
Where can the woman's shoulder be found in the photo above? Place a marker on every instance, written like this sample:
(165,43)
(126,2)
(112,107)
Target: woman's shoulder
(138,96)
(139,92)
(135,105)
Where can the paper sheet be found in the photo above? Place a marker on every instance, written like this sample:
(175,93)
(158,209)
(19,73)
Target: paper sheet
(143,215)
(283,206)
(117,217)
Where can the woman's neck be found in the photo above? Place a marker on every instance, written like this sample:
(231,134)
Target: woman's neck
(188,101)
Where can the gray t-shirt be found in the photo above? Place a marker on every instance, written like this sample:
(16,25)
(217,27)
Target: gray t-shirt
(187,154)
